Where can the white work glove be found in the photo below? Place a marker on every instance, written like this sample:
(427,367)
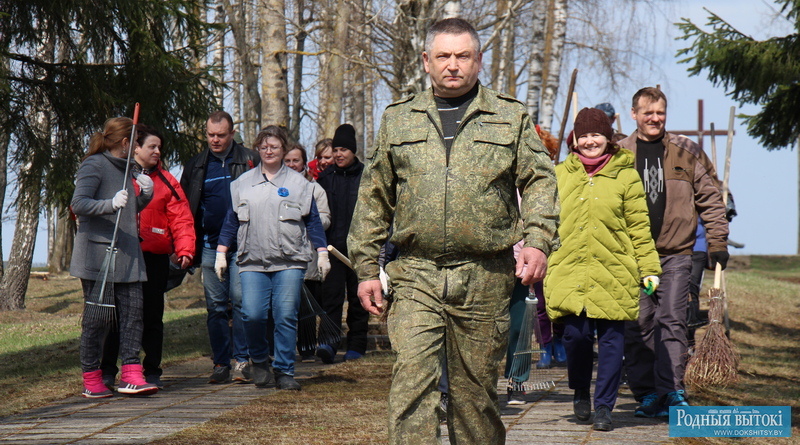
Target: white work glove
(323,264)
(145,184)
(650,283)
(119,200)
(384,281)
(221,265)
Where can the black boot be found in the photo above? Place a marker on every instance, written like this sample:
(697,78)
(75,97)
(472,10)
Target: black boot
(262,375)
(286,382)
(602,418)
(582,404)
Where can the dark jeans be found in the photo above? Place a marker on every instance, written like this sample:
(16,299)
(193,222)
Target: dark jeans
(578,342)
(128,301)
(340,281)
(152,319)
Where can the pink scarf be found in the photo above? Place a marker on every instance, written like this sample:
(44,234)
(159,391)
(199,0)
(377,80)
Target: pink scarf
(593,165)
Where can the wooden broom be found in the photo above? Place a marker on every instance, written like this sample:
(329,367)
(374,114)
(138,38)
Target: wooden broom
(716,360)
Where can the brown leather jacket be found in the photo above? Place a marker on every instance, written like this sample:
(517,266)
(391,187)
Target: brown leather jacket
(692,190)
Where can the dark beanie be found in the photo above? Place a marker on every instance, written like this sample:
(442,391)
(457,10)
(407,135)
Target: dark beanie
(345,137)
(592,120)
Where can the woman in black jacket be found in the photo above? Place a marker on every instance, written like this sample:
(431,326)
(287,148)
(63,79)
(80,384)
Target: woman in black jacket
(341,182)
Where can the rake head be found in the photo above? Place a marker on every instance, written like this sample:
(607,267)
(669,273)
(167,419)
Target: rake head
(315,327)
(99,307)
(523,376)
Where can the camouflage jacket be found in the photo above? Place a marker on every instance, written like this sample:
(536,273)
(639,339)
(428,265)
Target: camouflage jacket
(452,213)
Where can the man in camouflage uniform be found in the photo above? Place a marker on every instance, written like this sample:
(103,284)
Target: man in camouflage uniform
(445,170)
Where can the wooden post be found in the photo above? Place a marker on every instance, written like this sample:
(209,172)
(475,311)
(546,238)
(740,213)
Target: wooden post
(566,112)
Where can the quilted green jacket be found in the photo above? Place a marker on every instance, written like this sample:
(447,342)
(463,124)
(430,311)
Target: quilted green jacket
(606,245)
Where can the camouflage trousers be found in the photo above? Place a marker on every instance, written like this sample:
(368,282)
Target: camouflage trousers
(458,314)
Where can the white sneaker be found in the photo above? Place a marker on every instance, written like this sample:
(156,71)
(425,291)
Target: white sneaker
(241,372)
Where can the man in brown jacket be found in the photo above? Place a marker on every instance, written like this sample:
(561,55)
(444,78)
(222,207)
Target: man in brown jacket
(679,186)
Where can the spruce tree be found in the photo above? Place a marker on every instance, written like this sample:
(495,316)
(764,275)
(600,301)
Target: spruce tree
(763,73)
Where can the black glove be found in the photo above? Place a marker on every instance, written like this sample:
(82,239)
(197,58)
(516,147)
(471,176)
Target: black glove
(720,257)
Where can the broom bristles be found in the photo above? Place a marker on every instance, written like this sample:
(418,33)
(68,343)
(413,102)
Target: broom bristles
(715,362)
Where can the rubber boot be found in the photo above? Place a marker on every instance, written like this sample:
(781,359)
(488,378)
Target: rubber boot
(546,357)
(559,353)
(132,382)
(93,387)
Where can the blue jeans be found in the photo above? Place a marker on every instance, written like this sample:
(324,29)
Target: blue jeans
(278,292)
(218,295)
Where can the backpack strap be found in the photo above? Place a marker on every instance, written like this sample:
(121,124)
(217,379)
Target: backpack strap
(166,181)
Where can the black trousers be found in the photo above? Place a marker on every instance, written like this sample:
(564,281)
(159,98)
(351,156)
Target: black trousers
(342,282)
(157,266)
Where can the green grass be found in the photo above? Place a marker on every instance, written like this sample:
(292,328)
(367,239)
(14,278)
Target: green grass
(39,347)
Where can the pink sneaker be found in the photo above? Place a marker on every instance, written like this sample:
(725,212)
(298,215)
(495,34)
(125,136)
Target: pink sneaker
(93,387)
(132,382)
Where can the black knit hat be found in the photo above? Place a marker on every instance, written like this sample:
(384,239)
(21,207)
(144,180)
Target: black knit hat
(592,120)
(345,137)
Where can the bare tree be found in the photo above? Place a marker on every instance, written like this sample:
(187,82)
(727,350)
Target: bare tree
(237,19)
(557,28)
(335,75)
(536,59)
(274,87)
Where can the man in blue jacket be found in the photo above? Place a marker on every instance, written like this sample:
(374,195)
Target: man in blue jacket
(206,180)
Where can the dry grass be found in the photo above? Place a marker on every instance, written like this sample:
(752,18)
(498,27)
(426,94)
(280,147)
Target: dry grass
(765,328)
(343,405)
(347,403)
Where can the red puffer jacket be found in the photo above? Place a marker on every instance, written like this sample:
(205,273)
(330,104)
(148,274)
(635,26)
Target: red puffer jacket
(166,225)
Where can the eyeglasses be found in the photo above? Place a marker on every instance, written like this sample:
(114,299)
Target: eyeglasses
(270,148)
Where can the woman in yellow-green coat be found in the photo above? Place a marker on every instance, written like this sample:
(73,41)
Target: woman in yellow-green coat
(606,254)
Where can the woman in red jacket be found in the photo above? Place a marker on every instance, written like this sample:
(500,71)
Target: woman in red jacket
(166,230)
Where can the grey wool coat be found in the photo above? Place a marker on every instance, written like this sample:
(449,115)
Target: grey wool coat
(100,177)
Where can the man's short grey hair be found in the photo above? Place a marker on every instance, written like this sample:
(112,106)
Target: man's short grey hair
(454,26)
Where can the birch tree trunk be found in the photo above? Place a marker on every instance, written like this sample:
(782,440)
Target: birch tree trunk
(297,68)
(274,88)
(5,139)
(369,86)
(336,65)
(236,17)
(218,50)
(559,29)
(326,44)
(536,58)
(506,68)
(357,78)
(497,53)
(413,19)
(15,279)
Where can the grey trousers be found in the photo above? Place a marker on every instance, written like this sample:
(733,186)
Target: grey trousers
(128,299)
(656,344)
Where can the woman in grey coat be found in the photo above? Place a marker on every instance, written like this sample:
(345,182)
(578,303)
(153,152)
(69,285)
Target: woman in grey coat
(98,196)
